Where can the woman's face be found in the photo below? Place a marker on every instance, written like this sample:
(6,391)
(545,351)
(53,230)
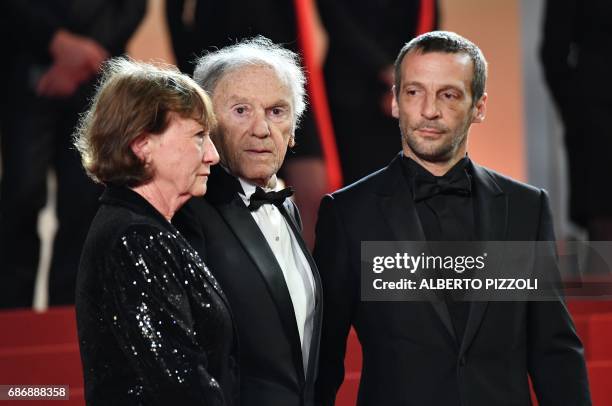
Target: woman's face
(181,158)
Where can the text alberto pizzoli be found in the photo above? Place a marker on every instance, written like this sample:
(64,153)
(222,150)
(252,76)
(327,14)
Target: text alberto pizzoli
(458,264)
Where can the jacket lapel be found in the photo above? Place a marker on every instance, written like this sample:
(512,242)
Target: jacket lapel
(491,207)
(399,211)
(224,195)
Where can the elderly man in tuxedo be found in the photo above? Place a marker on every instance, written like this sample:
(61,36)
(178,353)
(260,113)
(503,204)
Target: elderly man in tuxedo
(248,230)
(441,352)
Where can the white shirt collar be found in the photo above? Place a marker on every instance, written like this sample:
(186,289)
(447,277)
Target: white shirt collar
(247,188)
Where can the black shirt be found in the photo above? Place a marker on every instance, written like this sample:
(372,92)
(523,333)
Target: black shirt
(445,207)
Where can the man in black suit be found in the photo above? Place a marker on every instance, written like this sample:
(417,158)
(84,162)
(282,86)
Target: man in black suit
(441,352)
(246,229)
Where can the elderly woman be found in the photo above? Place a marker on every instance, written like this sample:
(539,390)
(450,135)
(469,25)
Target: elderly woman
(154,326)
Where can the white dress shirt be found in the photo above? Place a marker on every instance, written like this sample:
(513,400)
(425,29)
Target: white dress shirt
(292,261)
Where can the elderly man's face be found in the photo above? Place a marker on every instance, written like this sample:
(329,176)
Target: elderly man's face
(254,109)
(434,105)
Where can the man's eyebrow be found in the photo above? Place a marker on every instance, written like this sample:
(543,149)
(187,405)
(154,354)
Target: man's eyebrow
(235,99)
(412,83)
(447,86)
(451,87)
(238,99)
(282,102)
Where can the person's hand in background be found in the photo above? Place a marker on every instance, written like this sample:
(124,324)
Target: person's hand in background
(76,59)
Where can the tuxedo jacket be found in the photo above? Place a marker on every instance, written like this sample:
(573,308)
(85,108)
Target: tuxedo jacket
(222,230)
(410,353)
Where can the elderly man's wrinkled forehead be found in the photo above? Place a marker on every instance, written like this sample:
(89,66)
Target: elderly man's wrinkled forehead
(262,67)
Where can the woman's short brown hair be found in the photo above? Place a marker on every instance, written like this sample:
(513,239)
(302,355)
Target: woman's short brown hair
(134,98)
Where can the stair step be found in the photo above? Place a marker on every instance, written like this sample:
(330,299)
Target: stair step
(43,365)
(29,328)
(595,331)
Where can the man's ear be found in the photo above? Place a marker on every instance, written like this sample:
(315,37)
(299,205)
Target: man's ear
(141,147)
(394,106)
(292,140)
(480,109)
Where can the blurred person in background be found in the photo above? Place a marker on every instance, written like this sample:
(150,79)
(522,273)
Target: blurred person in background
(154,325)
(200,26)
(55,48)
(364,36)
(575,57)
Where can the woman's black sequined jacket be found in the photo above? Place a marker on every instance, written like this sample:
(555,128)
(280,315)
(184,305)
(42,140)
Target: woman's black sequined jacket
(154,326)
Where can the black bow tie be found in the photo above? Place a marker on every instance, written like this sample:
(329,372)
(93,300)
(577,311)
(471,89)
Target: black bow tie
(458,183)
(260,197)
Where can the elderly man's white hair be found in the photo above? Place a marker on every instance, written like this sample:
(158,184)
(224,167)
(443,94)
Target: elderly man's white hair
(257,51)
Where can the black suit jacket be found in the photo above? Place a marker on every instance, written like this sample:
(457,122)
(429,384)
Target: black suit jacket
(223,231)
(410,355)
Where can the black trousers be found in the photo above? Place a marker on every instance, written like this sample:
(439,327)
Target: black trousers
(35,137)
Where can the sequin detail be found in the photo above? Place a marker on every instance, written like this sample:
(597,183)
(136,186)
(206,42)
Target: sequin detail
(155,315)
